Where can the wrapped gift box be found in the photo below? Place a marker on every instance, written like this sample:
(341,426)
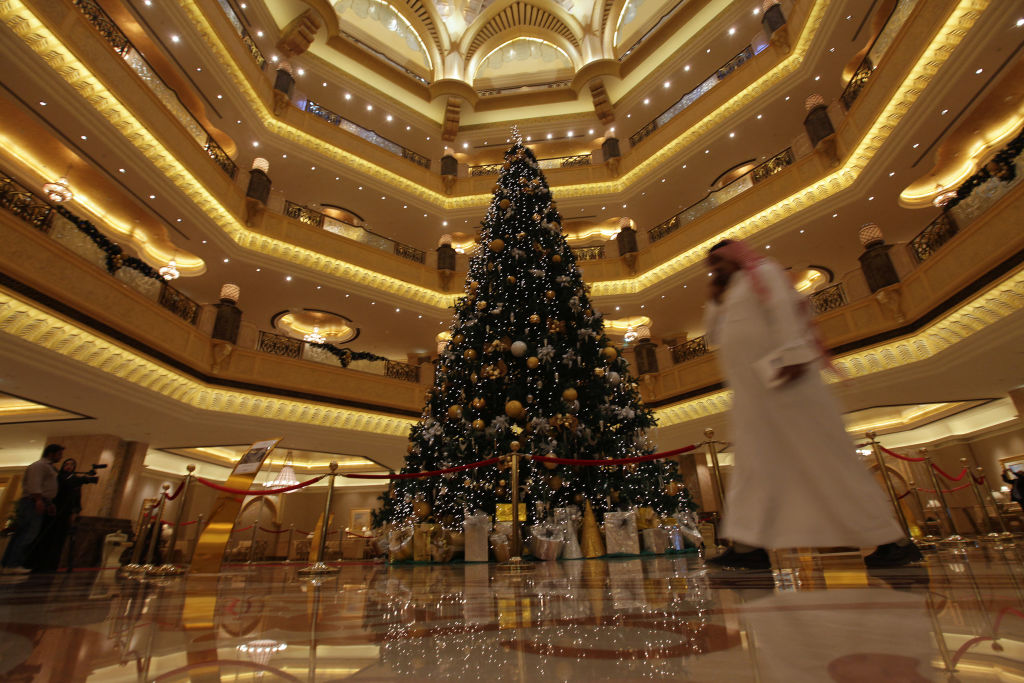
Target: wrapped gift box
(620,533)
(400,545)
(476,527)
(502,547)
(568,521)
(646,518)
(546,541)
(655,540)
(354,548)
(422,539)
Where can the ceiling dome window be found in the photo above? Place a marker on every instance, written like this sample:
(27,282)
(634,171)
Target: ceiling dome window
(520,50)
(361,13)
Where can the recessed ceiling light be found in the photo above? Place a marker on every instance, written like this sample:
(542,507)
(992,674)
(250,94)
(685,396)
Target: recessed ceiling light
(369,107)
(204,241)
(152,196)
(405,206)
(759,117)
(916,145)
(616,308)
(708,51)
(348,96)
(408,127)
(707,151)
(428,138)
(602,208)
(258,269)
(549,136)
(686,68)
(944,112)
(684,165)
(398,310)
(419,316)
(84,137)
(273,58)
(757,10)
(360,187)
(121,170)
(569,135)
(732,135)
(835,215)
(148,3)
(849,16)
(444,223)
(831,49)
(324,84)
(259,34)
(892,173)
(41,103)
(239,121)
(528,138)
(590,132)
(175,38)
(801,232)
(767,246)
(667,84)
(312,168)
(732,31)
(424,215)
(255,143)
(288,278)
(787,98)
(465,145)
(227,260)
(284,156)
(817,78)
(220,97)
(383,197)
(979,71)
(373,303)
(318,287)
(871,198)
(1020,22)
(623,206)
(388,117)
(302,72)
(647,100)
(662,180)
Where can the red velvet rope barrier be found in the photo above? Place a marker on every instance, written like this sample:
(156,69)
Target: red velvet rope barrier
(264,492)
(244,528)
(903,495)
(978,639)
(620,461)
(947,476)
(275,531)
(899,455)
(952,490)
(432,473)
(177,491)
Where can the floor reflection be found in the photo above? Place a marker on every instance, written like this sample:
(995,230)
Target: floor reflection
(819,618)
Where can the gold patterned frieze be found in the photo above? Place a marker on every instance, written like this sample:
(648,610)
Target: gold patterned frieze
(24,321)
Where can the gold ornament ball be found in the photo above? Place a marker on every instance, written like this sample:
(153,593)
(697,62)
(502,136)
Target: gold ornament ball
(467,483)
(474,285)
(578,499)
(514,446)
(497,245)
(599,372)
(469,354)
(511,279)
(455,412)
(504,203)
(421,509)
(555,482)
(557,258)
(534,318)
(513,408)
(609,352)
(672,489)
(569,395)
(481,305)
(410,447)
(532,362)
(536,216)
(478,424)
(550,465)
(479,402)
(550,294)
(458,339)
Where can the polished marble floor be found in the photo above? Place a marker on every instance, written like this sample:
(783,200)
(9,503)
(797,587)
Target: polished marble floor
(821,618)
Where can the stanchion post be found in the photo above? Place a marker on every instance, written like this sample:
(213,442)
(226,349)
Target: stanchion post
(158,525)
(252,538)
(890,489)
(168,568)
(516,563)
(1004,535)
(709,434)
(954,538)
(134,565)
(195,536)
(291,539)
(319,567)
(926,535)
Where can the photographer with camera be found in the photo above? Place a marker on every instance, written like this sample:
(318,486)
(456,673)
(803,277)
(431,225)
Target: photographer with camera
(39,488)
(68,503)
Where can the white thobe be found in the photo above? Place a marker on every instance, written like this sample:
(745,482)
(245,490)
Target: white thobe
(797,481)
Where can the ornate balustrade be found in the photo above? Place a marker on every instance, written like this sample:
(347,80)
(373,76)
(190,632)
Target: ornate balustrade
(828,299)
(589,253)
(402,371)
(279,345)
(353,232)
(689,349)
(571,161)
(879,46)
(289,347)
(336,119)
(121,45)
(929,240)
(303,214)
(772,166)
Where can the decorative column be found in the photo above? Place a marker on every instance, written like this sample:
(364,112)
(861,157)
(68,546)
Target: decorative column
(627,243)
(773,21)
(449,172)
(646,358)
(258,192)
(820,129)
(445,260)
(284,86)
(875,262)
(612,154)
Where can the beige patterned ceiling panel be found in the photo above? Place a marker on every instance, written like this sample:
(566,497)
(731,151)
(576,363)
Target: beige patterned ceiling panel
(520,15)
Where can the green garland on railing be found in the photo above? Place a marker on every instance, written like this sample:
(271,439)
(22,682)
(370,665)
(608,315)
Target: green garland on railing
(1003,163)
(115,254)
(346,355)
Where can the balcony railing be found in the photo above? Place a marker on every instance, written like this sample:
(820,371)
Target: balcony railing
(589,253)
(353,232)
(571,161)
(340,121)
(718,197)
(117,40)
(82,238)
(893,23)
(828,299)
(689,349)
(247,39)
(689,98)
(929,240)
(289,347)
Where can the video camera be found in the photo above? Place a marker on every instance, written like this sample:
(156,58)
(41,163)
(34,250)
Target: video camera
(90,477)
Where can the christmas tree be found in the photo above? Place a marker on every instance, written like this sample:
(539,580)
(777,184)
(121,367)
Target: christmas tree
(529,369)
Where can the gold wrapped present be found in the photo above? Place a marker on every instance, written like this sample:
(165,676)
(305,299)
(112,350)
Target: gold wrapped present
(400,545)
(422,539)
(502,547)
(655,540)
(620,534)
(646,518)
(503,512)
(354,548)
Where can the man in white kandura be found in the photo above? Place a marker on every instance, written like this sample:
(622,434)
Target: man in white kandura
(797,481)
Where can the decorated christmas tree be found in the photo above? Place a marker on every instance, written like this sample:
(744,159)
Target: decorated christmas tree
(529,369)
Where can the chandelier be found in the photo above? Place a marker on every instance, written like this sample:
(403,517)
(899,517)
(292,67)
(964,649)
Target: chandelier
(315,337)
(58,191)
(284,478)
(260,651)
(170,271)
(630,335)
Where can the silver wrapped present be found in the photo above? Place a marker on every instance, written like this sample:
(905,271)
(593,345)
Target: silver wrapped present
(655,540)
(476,528)
(620,534)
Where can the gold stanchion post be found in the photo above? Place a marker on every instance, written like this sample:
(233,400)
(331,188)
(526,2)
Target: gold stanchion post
(709,434)
(158,527)
(252,538)
(516,564)
(954,538)
(926,536)
(890,489)
(291,539)
(319,567)
(134,565)
(1003,536)
(168,568)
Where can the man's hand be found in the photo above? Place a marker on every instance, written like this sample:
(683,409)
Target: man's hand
(791,373)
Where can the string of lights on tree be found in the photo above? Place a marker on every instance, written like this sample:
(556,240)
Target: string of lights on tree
(529,369)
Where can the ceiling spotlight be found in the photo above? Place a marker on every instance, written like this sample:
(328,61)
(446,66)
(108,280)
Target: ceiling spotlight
(686,68)
(369,107)
(255,143)
(388,117)
(41,103)
(979,71)
(465,145)
(408,127)
(569,134)
(324,84)
(175,38)
(302,72)
(121,170)
(647,100)
(348,96)
(259,34)
(549,136)
(732,31)
(287,278)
